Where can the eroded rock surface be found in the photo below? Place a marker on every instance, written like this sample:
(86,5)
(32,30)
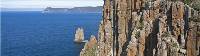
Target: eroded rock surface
(148,28)
(90,48)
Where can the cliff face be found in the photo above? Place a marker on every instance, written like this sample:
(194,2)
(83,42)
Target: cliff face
(148,28)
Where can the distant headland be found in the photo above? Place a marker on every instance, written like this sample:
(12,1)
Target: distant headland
(97,9)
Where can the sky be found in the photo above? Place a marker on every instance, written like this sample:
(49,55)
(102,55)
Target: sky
(49,3)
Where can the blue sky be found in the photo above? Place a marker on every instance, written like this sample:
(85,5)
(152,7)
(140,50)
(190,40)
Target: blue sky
(51,3)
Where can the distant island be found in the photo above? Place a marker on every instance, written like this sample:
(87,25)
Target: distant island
(97,9)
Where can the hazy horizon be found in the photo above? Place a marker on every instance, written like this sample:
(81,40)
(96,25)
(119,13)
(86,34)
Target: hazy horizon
(33,9)
(11,4)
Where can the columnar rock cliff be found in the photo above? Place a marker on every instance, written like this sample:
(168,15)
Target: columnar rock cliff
(148,28)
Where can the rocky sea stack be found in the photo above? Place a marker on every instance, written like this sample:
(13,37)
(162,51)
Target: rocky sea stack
(147,28)
(79,36)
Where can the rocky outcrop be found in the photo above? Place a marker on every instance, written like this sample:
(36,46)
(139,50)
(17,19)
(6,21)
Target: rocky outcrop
(90,48)
(79,35)
(148,28)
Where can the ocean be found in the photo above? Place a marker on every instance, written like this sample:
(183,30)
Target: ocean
(33,33)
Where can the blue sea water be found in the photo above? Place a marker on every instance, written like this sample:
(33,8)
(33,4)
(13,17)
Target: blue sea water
(38,34)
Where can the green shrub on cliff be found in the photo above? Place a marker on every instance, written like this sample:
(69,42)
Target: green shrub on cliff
(187,2)
(165,34)
(196,5)
(198,33)
(137,34)
(193,3)
(140,24)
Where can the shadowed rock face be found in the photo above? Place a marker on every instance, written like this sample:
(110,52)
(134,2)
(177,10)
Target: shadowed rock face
(79,36)
(148,28)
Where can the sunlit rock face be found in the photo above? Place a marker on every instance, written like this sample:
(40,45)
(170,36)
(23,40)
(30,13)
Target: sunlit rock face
(148,28)
(79,35)
(90,48)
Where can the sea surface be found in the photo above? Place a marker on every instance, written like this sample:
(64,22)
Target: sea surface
(39,34)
